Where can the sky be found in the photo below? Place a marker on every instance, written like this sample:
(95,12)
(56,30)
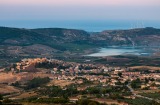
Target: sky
(79,13)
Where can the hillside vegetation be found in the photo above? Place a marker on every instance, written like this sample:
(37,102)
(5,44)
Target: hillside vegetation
(18,43)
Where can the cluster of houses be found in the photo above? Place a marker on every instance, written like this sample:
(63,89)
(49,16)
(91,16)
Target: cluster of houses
(101,73)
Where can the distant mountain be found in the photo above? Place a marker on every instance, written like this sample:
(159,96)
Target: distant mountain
(137,37)
(59,33)
(63,34)
(16,36)
(59,41)
(53,37)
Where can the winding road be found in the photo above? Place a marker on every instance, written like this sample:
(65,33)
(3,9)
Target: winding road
(140,96)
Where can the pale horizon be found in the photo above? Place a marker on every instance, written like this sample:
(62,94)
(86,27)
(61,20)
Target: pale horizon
(23,13)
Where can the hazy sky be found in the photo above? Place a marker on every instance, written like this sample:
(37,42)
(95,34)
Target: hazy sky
(57,10)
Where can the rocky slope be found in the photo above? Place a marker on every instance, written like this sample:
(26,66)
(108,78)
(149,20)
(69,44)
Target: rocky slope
(50,36)
(134,37)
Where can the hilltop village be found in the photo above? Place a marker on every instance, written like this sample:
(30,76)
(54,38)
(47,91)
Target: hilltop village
(61,70)
(98,82)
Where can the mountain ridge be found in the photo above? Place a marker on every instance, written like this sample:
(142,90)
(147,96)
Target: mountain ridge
(65,42)
(110,37)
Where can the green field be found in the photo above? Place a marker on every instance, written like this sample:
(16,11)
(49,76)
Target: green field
(155,95)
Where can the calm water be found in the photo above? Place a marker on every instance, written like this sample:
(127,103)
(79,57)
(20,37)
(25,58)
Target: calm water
(88,25)
(111,51)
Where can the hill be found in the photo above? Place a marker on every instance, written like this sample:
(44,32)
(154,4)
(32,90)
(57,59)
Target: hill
(134,37)
(64,43)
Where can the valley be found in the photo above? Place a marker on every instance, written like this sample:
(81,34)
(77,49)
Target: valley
(70,44)
(52,66)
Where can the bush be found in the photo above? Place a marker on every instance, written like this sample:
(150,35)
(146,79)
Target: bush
(1,97)
(87,102)
(51,100)
(56,91)
(7,101)
(136,83)
(36,82)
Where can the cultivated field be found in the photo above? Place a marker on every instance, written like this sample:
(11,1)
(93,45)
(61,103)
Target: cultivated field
(22,77)
(26,95)
(61,83)
(5,89)
(145,67)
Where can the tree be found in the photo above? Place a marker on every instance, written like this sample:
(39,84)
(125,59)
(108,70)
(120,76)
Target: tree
(126,82)
(133,85)
(87,102)
(7,101)
(136,83)
(36,82)
(152,79)
(93,90)
(146,80)
(92,103)
(119,74)
(16,84)
(1,97)
(154,103)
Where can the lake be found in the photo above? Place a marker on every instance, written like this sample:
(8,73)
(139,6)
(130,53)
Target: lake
(115,50)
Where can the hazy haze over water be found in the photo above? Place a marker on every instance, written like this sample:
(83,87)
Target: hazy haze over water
(88,25)
(90,15)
